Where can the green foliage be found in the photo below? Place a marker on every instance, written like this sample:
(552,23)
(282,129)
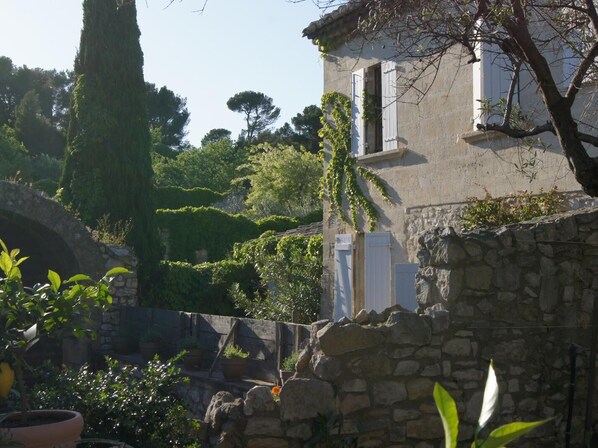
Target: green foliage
(341,176)
(213,166)
(201,288)
(54,309)
(258,110)
(277,223)
(497,438)
(108,166)
(214,135)
(14,156)
(494,212)
(288,364)
(193,228)
(290,271)
(233,351)
(167,112)
(284,181)
(177,197)
(137,406)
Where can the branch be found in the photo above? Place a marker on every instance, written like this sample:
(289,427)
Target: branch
(509,107)
(517,133)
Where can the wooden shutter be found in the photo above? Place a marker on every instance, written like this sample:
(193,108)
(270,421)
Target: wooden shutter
(390,132)
(377,271)
(343,276)
(405,285)
(491,80)
(357,121)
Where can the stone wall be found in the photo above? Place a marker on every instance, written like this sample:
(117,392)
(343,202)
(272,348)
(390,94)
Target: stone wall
(522,295)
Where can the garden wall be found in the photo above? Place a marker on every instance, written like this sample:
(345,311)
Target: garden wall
(522,295)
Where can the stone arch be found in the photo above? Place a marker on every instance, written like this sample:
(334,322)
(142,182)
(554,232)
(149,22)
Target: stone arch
(47,233)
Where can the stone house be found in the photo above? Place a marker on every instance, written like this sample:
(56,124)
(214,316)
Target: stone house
(428,152)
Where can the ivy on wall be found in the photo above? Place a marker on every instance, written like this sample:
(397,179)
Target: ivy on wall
(342,173)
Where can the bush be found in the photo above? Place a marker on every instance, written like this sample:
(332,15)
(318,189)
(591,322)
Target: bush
(277,223)
(290,270)
(177,197)
(495,212)
(194,228)
(201,288)
(137,406)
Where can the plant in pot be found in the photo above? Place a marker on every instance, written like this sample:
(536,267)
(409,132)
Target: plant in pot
(288,367)
(54,309)
(150,344)
(234,362)
(193,355)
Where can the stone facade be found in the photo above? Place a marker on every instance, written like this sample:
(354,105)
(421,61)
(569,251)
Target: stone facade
(522,296)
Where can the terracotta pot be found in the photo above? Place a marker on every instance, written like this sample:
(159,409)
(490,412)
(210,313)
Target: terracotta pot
(62,429)
(192,359)
(149,349)
(233,369)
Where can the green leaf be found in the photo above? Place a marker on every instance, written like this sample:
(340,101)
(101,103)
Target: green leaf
(116,271)
(507,433)
(78,278)
(448,413)
(490,401)
(54,279)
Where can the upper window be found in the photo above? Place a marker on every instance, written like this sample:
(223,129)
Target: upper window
(374,120)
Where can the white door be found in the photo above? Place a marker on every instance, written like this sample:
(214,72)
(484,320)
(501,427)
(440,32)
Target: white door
(405,285)
(343,275)
(377,271)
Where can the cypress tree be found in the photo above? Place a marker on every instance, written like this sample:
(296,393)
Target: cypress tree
(107,169)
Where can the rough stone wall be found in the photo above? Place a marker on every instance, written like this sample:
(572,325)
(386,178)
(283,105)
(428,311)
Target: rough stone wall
(520,295)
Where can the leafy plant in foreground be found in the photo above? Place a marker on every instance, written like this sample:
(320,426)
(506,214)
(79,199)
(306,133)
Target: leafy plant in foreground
(497,438)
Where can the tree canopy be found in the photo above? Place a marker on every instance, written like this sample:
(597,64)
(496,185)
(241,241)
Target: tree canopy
(258,109)
(168,113)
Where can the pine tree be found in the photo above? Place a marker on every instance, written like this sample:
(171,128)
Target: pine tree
(107,168)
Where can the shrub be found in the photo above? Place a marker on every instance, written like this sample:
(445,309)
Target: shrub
(201,288)
(290,270)
(277,223)
(233,351)
(177,197)
(288,364)
(522,206)
(137,406)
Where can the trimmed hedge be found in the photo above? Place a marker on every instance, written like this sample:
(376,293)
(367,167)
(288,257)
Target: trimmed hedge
(177,197)
(194,228)
(202,288)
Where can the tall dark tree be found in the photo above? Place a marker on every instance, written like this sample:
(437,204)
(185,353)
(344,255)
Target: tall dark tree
(108,166)
(258,109)
(167,112)
(307,124)
(214,135)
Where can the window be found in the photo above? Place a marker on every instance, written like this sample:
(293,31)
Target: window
(374,120)
(491,80)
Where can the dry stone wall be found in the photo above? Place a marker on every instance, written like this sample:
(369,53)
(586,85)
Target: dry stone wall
(522,295)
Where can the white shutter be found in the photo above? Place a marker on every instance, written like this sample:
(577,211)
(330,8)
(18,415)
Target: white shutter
(390,131)
(343,276)
(491,80)
(377,271)
(405,285)
(357,121)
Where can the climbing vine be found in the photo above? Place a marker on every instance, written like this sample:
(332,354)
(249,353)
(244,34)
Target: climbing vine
(342,172)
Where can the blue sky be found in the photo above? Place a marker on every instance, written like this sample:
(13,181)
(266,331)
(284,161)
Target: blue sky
(234,45)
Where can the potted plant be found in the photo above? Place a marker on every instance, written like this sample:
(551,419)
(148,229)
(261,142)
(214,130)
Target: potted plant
(288,367)
(193,355)
(54,309)
(233,363)
(150,344)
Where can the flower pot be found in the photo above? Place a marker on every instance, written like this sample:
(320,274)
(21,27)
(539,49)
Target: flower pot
(192,360)
(149,349)
(233,369)
(47,429)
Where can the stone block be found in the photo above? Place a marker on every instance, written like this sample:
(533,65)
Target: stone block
(425,428)
(457,347)
(549,293)
(267,442)
(354,402)
(388,392)
(478,277)
(401,415)
(409,328)
(258,399)
(324,367)
(406,368)
(337,340)
(420,388)
(354,385)
(301,431)
(264,426)
(303,398)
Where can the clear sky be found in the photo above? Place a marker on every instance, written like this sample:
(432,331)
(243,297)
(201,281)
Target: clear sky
(234,45)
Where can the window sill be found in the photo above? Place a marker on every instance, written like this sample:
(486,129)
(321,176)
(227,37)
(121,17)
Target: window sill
(481,136)
(383,156)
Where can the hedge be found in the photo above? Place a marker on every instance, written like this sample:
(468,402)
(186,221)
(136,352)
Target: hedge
(177,197)
(202,288)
